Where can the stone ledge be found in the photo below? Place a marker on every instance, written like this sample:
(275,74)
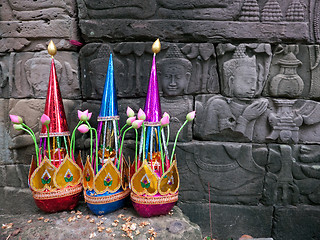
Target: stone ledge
(81,224)
(190,30)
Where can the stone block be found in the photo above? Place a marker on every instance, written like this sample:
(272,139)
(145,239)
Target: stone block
(228,170)
(18,201)
(28,26)
(230,221)
(194,21)
(2,176)
(182,68)
(226,119)
(27,74)
(301,222)
(294,72)
(292,175)
(12,178)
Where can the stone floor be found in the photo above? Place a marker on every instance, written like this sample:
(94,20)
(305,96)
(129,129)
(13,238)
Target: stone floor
(82,224)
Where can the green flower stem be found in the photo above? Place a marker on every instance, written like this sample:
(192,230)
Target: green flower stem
(30,130)
(136,152)
(48,136)
(168,134)
(144,142)
(161,152)
(122,140)
(175,142)
(123,128)
(96,152)
(66,145)
(31,133)
(73,137)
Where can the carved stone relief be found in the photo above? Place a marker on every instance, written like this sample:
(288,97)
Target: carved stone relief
(207,20)
(25,22)
(179,67)
(234,175)
(293,175)
(31,72)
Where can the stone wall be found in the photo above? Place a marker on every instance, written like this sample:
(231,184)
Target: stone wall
(250,68)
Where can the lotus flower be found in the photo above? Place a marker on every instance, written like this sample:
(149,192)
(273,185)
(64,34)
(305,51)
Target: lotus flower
(84,116)
(166,114)
(191,115)
(130,112)
(164,121)
(137,124)
(45,119)
(83,128)
(130,120)
(17,126)
(16,119)
(141,115)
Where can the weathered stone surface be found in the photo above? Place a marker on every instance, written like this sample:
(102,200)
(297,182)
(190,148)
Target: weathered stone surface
(182,68)
(192,30)
(24,23)
(296,223)
(27,74)
(175,226)
(230,221)
(17,201)
(293,175)
(233,172)
(231,119)
(2,176)
(244,66)
(192,21)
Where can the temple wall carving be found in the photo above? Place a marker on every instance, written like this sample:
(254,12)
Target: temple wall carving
(250,69)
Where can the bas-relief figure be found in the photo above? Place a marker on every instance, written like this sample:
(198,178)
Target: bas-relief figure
(132,62)
(243,78)
(31,73)
(234,172)
(293,175)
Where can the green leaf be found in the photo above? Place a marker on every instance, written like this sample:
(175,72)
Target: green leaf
(88,179)
(107,184)
(43,181)
(145,185)
(68,179)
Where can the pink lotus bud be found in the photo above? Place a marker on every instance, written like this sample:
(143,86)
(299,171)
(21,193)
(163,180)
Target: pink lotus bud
(16,119)
(130,120)
(164,121)
(84,116)
(166,114)
(45,119)
(137,124)
(83,128)
(191,115)
(141,115)
(89,115)
(130,112)
(17,126)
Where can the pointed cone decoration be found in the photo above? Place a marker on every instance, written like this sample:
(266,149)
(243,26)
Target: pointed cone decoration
(152,106)
(54,108)
(109,105)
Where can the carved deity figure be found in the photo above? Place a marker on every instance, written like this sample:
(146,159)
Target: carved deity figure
(240,112)
(37,69)
(174,72)
(98,70)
